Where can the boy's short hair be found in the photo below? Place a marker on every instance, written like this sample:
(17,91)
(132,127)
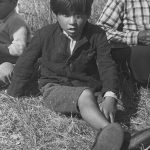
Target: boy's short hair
(67,7)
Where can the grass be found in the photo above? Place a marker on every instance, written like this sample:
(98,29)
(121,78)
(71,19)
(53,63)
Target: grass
(26,125)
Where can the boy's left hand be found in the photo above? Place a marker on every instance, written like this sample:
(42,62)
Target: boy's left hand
(109,107)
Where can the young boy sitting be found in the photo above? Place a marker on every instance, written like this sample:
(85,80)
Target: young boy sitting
(13,38)
(75,63)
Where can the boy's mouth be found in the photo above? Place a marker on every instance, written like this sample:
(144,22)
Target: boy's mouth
(72,30)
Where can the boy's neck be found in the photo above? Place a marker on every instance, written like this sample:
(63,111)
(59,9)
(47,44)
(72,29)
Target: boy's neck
(74,39)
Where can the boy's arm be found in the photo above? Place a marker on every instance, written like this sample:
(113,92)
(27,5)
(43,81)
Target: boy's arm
(108,76)
(24,67)
(110,20)
(106,65)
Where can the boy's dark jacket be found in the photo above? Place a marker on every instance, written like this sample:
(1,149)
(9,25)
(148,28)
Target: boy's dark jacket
(90,64)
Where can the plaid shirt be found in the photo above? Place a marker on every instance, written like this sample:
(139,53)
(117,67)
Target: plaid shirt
(132,15)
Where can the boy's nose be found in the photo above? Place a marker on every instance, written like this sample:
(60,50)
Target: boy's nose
(72,20)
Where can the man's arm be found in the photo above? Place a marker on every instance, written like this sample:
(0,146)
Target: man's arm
(110,20)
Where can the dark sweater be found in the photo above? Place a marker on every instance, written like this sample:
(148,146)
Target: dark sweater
(90,64)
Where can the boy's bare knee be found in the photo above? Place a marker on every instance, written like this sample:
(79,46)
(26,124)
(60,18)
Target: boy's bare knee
(87,95)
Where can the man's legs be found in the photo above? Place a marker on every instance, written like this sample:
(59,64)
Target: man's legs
(121,57)
(6,70)
(140,64)
(134,62)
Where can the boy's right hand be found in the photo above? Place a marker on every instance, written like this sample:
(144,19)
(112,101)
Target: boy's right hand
(109,107)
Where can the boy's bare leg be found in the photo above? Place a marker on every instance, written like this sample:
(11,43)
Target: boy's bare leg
(90,111)
(112,134)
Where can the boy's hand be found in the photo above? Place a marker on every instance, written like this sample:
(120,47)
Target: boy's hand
(108,108)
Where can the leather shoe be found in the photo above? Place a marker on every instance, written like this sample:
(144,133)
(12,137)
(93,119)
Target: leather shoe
(110,138)
(137,141)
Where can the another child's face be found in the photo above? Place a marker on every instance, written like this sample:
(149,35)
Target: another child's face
(72,24)
(6,6)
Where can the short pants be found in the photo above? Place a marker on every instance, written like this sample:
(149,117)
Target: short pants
(60,98)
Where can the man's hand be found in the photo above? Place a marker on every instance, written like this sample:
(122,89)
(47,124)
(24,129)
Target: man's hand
(108,108)
(144,37)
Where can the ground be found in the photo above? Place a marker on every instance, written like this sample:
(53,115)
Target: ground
(26,125)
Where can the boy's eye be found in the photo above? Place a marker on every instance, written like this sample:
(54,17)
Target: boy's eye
(77,16)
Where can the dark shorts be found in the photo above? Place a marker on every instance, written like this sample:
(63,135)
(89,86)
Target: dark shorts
(61,98)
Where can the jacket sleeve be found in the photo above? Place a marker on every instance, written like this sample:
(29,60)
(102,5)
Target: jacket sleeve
(24,67)
(106,65)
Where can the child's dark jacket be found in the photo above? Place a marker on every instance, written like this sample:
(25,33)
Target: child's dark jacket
(90,64)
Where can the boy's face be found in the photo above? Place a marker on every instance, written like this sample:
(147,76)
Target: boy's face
(6,6)
(72,24)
